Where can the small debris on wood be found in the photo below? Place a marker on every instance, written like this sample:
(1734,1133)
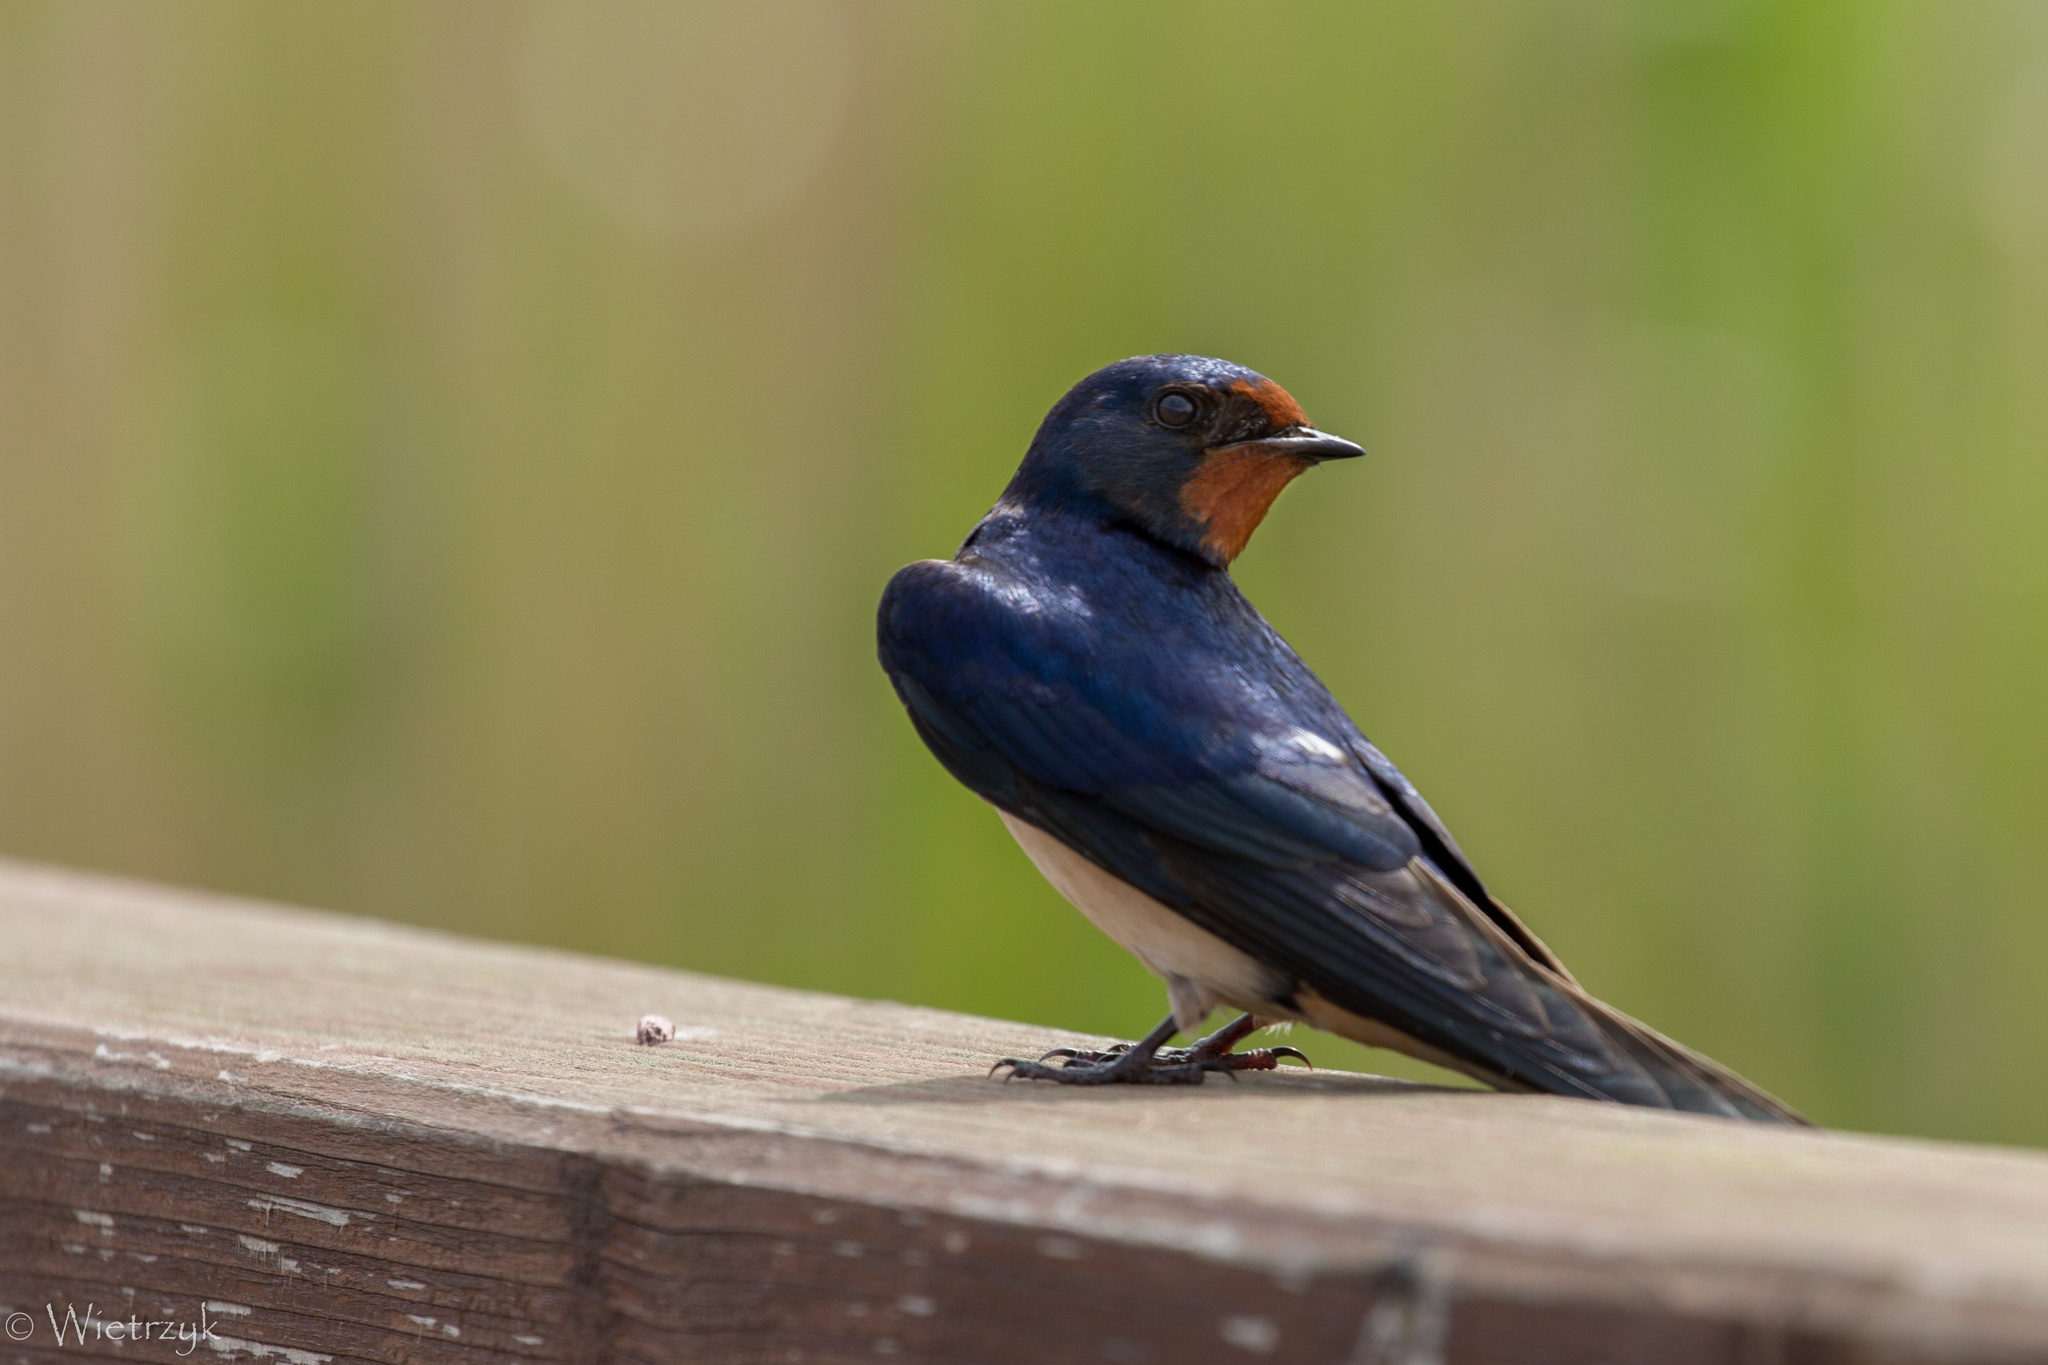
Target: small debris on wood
(655,1028)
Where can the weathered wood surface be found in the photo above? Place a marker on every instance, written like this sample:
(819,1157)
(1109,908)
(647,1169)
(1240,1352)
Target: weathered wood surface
(352,1141)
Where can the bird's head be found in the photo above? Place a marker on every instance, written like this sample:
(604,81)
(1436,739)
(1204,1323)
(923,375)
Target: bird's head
(1191,450)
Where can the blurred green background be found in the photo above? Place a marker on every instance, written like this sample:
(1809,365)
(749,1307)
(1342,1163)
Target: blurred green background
(450,454)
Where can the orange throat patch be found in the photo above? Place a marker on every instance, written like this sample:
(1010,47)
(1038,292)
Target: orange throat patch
(1231,493)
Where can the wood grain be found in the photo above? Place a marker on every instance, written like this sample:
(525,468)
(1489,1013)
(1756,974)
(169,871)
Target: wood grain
(347,1140)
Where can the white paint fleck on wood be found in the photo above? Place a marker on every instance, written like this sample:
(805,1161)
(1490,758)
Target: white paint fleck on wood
(1250,1332)
(319,1213)
(235,1346)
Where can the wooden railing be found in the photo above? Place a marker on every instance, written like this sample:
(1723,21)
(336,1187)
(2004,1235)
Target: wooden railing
(303,1138)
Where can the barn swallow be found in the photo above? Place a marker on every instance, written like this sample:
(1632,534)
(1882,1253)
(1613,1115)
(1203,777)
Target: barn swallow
(1087,666)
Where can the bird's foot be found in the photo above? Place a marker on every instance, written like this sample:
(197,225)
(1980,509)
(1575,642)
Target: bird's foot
(1257,1059)
(1106,1068)
(1135,1064)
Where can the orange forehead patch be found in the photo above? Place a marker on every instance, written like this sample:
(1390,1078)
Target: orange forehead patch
(1232,491)
(1279,405)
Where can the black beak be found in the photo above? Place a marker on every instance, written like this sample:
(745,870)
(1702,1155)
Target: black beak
(1306,442)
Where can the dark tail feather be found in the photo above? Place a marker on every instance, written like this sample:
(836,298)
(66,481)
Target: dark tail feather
(1690,1082)
(1591,1049)
(1694,1083)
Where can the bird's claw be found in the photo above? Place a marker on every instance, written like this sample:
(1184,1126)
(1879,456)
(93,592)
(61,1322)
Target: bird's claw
(1166,1066)
(1258,1059)
(1081,1054)
(1083,1069)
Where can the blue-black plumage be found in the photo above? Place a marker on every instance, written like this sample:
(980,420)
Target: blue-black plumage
(1086,664)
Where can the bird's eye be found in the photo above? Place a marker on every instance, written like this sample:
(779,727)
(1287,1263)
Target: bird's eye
(1175,410)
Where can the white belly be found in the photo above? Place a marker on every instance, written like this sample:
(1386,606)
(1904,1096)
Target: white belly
(1199,968)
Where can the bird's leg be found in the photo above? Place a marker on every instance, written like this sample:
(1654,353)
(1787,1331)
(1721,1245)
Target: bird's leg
(1214,1052)
(1124,1064)
(1219,1043)
(1148,1062)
